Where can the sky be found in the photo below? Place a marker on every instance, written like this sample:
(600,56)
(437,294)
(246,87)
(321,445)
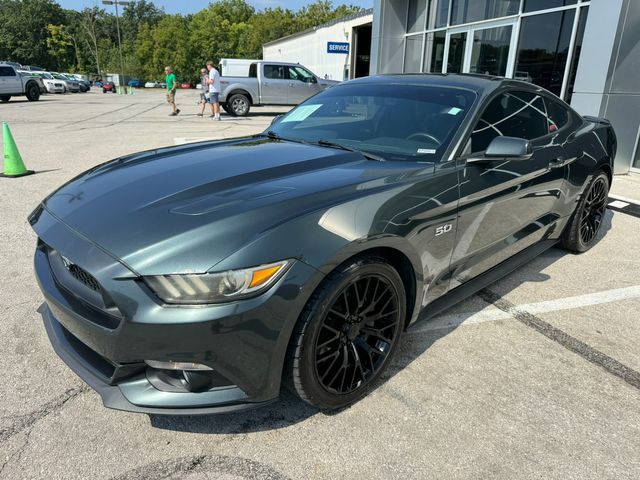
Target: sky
(192,6)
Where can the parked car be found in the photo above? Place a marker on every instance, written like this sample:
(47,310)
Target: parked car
(162,85)
(135,83)
(85,85)
(269,83)
(71,85)
(109,87)
(51,84)
(377,203)
(15,84)
(151,85)
(98,83)
(185,85)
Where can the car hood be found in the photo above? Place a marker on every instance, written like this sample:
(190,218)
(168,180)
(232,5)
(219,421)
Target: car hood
(184,209)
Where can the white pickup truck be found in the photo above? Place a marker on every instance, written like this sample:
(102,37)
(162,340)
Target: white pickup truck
(14,84)
(269,83)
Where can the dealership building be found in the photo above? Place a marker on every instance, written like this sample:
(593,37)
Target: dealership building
(337,50)
(587,52)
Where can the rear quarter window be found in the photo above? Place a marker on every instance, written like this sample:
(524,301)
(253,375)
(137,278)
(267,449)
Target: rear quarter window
(557,113)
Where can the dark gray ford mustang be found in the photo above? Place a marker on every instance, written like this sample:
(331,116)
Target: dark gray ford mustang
(202,278)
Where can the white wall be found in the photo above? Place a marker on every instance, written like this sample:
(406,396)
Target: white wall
(310,49)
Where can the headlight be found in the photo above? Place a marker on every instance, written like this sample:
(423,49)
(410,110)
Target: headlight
(217,287)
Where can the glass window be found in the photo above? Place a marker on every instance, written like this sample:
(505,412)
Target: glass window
(542,49)
(636,159)
(416,16)
(457,45)
(465,11)
(512,114)
(442,13)
(6,72)
(412,54)
(490,51)
(253,70)
(557,114)
(301,74)
(275,72)
(533,5)
(582,22)
(434,52)
(397,122)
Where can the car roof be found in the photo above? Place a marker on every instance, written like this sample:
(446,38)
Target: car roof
(471,81)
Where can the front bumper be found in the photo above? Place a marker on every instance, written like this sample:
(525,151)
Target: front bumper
(244,342)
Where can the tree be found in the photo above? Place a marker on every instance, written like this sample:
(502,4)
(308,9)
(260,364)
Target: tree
(58,44)
(322,11)
(23,30)
(136,14)
(91,26)
(269,25)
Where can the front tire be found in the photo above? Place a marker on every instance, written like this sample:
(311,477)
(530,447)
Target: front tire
(239,105)
(347,333)
(582,231)
(5,98)
(33,93)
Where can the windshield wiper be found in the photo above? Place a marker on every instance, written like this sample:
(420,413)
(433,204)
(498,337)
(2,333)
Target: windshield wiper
(368,155)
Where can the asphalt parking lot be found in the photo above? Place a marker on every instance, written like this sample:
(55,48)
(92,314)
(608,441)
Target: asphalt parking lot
(534,377)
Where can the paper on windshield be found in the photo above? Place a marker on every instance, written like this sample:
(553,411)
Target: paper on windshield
(301,113)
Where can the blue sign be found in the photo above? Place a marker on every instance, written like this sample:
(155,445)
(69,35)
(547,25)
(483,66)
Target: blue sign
(337,47)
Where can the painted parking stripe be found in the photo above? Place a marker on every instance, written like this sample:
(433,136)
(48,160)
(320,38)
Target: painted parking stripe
(491,313)
(624,206)
(613,196)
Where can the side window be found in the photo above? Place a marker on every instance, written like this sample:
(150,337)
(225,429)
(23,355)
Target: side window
(6,71)
(512,114)
(300,74)
(275,72)
(253,70)
(558,115)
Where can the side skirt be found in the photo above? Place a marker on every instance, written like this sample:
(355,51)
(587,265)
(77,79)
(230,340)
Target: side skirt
(467,289)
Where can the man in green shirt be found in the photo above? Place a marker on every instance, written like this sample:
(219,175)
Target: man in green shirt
(172,84)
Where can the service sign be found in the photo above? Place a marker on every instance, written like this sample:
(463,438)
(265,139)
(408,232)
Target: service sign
(337,47)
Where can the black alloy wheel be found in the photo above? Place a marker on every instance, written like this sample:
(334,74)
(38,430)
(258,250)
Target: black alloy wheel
(593,210)
(582,231)
(347,333)
(33,92)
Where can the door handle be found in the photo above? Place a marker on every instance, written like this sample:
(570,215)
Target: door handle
(557,162)
(291,85)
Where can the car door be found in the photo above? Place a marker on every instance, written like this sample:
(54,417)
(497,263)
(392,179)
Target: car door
(274,88)
(303,84)
(9,80)
(507,204)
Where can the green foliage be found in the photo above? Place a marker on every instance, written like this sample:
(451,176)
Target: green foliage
(40,32)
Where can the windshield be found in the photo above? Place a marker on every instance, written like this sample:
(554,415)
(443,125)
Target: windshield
(45,75)
(395,122)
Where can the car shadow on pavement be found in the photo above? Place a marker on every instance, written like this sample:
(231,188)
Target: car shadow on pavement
(289,410)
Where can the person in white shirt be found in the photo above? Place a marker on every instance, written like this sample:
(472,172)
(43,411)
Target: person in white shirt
(214,89)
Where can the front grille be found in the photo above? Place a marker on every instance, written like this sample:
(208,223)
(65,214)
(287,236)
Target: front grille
(81,275)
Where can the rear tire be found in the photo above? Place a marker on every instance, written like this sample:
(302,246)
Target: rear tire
(582,231)
(347,333)
(239,105)
(5,98)
(33,92)
(227,109)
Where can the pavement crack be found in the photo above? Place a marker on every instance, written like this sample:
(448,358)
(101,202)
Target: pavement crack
(572,344)
(24,422)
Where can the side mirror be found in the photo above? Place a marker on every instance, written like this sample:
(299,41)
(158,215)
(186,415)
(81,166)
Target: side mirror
(313,80)
(505,148)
